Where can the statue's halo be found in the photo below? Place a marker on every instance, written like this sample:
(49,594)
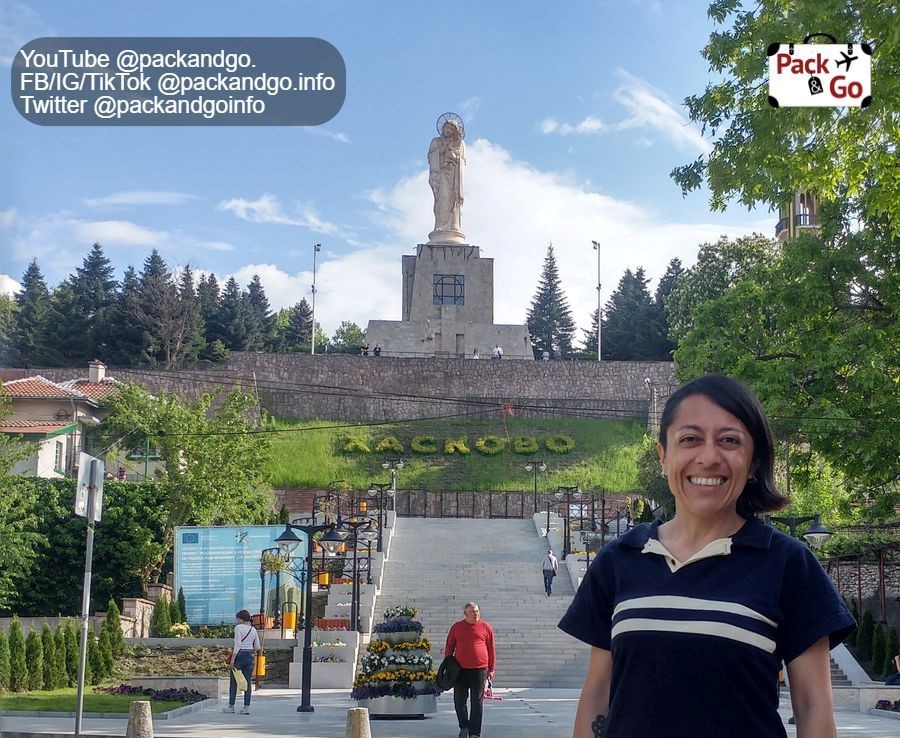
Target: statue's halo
(456,119)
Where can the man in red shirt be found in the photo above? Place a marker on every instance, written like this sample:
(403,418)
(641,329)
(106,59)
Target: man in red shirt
(471,642)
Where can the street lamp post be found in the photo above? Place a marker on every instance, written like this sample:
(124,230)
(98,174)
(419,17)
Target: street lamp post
(354,527)
(571,493)
(316,249)
(379,490)
(393,464)
(815,535)
(288,542)
(599,300)
(537,466)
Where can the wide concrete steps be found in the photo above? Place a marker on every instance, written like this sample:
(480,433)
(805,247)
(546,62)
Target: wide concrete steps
(438,565)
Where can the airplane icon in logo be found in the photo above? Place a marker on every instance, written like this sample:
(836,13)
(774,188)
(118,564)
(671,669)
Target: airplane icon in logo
(846,60)
(241,537)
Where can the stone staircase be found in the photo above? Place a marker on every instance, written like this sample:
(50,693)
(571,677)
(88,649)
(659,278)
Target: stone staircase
(439,564)
(838,677)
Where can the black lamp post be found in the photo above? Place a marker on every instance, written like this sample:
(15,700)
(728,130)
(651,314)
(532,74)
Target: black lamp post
(354,527)
(537,466)
(379,490)
(288,542)
(393,464)
(571,493)
(368,535)
(815,535)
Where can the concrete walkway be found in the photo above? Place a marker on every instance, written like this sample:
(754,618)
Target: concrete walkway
(523,713)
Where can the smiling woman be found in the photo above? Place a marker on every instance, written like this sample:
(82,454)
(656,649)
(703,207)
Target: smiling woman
(713,597)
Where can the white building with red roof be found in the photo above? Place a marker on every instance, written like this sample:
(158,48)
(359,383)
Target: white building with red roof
(55,415)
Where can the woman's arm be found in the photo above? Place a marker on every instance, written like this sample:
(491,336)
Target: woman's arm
(590,719)
(809,677)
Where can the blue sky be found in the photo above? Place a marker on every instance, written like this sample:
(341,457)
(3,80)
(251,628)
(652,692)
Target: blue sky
(573,114)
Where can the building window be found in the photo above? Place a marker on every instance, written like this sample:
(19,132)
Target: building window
(58,457)
(449,289)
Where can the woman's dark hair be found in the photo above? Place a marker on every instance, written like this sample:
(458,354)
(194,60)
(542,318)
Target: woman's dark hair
(759,493)
(243,615)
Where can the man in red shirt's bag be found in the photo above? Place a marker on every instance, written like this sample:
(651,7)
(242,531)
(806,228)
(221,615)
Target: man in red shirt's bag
(471,642)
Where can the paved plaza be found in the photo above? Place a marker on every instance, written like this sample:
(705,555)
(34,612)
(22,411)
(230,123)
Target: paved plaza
(522,713)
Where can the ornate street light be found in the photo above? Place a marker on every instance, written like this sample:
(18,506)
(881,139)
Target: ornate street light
(815,535)
(379,490)
(570,493)
(537,466)
(288,543)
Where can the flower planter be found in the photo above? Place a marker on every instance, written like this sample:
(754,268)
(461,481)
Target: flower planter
(400,636)
(394,707)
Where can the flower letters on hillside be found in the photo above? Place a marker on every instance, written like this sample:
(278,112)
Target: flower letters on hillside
(487,445)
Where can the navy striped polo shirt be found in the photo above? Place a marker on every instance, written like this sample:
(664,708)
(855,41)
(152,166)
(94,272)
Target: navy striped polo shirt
(697,646)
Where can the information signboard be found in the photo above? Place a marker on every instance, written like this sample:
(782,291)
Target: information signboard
(218,569)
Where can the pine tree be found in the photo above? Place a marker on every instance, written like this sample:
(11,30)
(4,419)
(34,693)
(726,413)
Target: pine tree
(33,305)
(160,622)
(629,331)
(8,317)
(61,330)
(4,662)
(60,674)
(299,329)
(113,623)
(34,656)
(209,297)
(91,658)
(232,317)
(125,341)
(260,321)
(174,612)
(182,605)
(891,649)
(864,637)
(549,317)
(94,288)
(160,310)
(193,340)
(71,654)
(18,665)
(669,281)
(49,646)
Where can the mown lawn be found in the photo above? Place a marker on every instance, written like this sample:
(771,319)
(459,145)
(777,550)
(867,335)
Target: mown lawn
(309,455)
(63,700)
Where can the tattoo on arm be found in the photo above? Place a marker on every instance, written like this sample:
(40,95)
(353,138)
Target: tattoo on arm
(598,727)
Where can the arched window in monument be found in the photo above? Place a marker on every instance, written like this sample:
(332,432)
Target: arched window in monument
(449,289)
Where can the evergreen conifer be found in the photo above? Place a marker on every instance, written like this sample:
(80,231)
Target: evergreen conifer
(18,666)
(182,605)
(60,674)
(864,637)
(71,654)
(106,654)
(877,650)
(113,623)
(891,649)
(160,622)
(4,662)
(94,659)
(34,657)
(49,646)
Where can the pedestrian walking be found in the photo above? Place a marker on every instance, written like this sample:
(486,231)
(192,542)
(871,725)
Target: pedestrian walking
(707,605)
(242,658)
(497,353)
(471,642)
(549,568)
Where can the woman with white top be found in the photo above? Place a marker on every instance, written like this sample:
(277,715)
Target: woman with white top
(243,658)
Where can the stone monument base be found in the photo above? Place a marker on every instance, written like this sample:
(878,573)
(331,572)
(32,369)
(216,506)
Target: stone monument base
(447,338)
(443,238)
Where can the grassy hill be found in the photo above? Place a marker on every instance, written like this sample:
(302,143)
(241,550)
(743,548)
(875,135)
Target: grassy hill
(309,454)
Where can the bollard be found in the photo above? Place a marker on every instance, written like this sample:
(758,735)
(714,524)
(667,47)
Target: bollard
(140,720)
(358,723)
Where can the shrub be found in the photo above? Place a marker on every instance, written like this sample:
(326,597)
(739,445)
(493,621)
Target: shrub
(106,654)
(456,445)
(525,445)
(877,649)
(4,662)
(284,516)
(356,446)
(390,443)
(490,445)
(180,630)
(90,659)
(174,612)
(18,666)
(60,675)
(49,646)
(160,622)
(891,649)
(34,657)
(423,445)
(864,637)
(559,443)
(71,654)
(113,624)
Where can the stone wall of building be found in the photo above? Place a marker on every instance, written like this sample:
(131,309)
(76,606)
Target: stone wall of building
(360,388)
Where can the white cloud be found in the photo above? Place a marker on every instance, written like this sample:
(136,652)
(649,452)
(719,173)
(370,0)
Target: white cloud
(650,110)
(267,209)
(468,109)
(19,24)
(216,245)
(139,197)
(118,233)
(8,286)
(318,131)
(7,218)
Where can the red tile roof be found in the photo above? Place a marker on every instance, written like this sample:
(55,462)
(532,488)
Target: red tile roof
(29,427)
(38,388)
(93,390)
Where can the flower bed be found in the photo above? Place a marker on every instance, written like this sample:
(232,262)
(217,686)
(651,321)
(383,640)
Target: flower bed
(184,694)
(525,445)
(490,445)
(559,443)
(888,705)
(423,444)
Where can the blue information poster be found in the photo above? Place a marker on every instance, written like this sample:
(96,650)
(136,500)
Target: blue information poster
(218,569)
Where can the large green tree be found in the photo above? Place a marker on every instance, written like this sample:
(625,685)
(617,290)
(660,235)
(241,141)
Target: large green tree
(631,328)
(549,317)
(94,288)
(212,460)
(232,317)
(8,313)
(348,338)
(125,340)
(260,320)
(763,155)
(33,303)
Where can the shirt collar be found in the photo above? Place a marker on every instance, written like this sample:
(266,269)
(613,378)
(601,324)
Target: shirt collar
(754,534)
